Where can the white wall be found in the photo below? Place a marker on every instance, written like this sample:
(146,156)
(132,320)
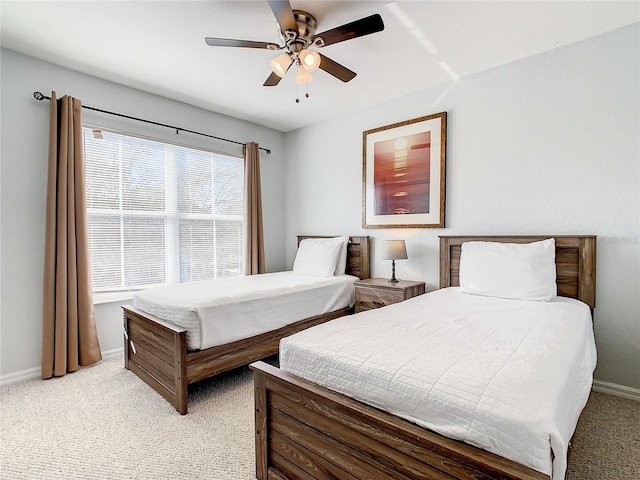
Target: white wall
(546,145)
(23,180)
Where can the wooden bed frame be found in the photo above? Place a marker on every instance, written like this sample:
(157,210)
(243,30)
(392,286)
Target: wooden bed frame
(156,350)
(305,431)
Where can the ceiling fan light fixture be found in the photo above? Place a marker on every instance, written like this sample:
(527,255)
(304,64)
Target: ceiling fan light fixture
(302,76)
(310,60)
(280,64)
(297,31)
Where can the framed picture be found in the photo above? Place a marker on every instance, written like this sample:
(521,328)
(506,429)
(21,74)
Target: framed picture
(403,174)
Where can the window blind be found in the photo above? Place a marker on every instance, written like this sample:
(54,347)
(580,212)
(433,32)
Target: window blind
(161,213)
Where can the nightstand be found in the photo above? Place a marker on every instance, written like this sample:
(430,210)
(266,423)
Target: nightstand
(379,292)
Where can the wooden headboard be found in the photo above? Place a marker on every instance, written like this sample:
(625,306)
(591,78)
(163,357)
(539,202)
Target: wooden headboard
(575,262)
(358,262)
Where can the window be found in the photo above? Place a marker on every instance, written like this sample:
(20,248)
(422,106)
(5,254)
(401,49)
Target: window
(161,213)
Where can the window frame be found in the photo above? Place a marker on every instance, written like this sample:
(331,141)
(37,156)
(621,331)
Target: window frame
(171,215)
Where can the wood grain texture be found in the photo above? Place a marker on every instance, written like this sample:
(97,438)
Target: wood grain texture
(378,292)
(156,350)
(206,363)
(324,434)
(260,400)
(575,261)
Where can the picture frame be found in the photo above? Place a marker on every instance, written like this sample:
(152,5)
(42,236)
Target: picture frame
(403,174)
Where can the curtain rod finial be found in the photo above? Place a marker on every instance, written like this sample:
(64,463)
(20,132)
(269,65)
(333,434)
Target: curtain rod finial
(38,96)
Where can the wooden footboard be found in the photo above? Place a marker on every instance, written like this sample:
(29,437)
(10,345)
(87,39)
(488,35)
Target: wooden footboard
(155,351)
(306,431)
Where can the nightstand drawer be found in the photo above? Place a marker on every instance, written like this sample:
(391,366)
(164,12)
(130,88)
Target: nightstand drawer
(377,292)
(368,298)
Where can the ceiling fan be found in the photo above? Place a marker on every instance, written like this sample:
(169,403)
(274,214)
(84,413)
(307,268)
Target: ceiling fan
(298,33)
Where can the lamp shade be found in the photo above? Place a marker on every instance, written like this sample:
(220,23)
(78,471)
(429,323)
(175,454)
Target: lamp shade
(280,64)
(394,250)
(302,76)
(310,60)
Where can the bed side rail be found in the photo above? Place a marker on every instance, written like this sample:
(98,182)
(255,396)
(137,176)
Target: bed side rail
(203,364)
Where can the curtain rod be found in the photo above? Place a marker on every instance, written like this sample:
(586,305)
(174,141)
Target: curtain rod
(40,96)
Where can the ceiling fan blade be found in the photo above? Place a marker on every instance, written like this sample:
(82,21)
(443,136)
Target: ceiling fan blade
(335,69)
(272,81)
(284,14)
(359,28)
(229,42)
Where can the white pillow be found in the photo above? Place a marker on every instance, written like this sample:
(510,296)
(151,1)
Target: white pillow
(524,271)
(316,258)
(341,262)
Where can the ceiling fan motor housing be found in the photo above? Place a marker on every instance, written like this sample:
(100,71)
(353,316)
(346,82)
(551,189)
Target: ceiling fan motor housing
(307,26)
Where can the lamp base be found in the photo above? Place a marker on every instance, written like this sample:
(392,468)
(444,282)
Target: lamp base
(393,278)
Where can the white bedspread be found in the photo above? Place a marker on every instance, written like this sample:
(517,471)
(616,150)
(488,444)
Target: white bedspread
(508,376)
(223,310)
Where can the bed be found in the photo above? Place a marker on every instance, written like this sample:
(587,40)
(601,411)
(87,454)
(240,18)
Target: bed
(156,349)
(305,430)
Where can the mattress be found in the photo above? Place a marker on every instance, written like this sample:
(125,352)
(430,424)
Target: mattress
(508,376)
(223,310)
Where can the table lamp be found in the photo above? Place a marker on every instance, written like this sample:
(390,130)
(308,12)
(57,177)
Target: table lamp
(394,250)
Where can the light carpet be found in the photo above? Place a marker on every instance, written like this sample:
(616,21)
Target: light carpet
(104,423)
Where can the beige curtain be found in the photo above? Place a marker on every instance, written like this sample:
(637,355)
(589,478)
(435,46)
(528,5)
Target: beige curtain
(254,237)
(69,336)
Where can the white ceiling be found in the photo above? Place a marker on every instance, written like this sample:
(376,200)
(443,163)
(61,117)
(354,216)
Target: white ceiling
(158,46)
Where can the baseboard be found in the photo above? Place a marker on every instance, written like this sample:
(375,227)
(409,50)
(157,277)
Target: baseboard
(21,376)
(32,373)
(616,390)
(116,352)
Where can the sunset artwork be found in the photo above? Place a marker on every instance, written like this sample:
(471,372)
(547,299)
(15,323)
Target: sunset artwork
(401,175)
